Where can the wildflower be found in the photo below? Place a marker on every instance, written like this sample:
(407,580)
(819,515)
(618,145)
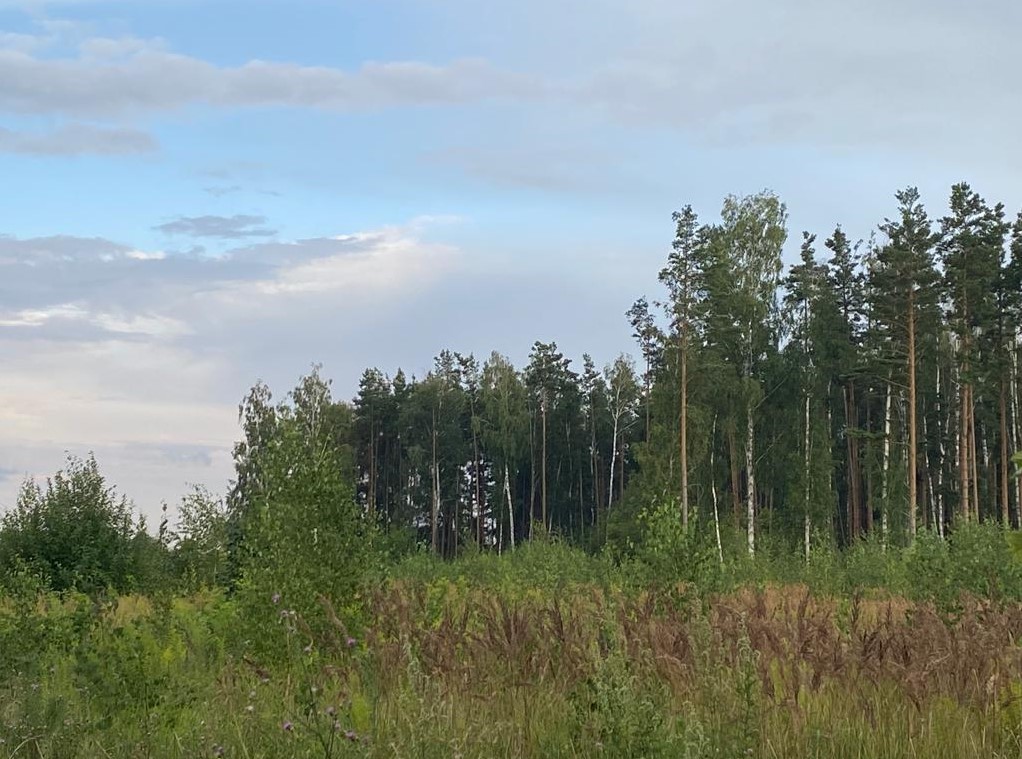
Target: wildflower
(250,709)
(287,727)
(275,598)
(352,736)
(218,750)
(331,711)
(352,642)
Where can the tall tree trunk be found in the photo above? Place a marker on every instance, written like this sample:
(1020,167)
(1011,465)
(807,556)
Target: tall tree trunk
(854,499)
(750,494)
(435,512)
(1016,396)
(372,469)
(886,468)
(543,468)
(592,461)
(942,428)
(807,464)
(941,515)
(647,391)
(868,493)
(1016,401)
(912,442)
(973,458)
(613,463)
(581,507)
(931,502)
(683,430)
(478,484)
(713,491)
(510,505)
(963,451)
(1003,413)
(532,475)
(736,497)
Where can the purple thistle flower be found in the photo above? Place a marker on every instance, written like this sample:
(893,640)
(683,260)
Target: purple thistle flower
(287,727)
(352,736)
(351,642)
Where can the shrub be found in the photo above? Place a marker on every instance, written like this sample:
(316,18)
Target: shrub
(76,534)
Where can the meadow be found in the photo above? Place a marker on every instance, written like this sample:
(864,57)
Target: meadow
(546,651)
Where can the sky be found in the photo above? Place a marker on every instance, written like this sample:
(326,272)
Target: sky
(200,194)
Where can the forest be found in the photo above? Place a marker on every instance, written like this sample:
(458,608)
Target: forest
(869,391)
(787,528)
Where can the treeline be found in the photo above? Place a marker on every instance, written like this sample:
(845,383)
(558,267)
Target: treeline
(871,389)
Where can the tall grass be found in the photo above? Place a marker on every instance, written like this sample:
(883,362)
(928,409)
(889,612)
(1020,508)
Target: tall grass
(547,653)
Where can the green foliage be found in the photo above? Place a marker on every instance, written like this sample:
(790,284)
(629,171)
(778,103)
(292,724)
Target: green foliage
(671,554)
(78,534)
(542,652)
(303,537)
(200,552)
(617,713)
(539,566)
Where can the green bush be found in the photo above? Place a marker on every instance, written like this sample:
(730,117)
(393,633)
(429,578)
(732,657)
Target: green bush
(299,535)
(77,534)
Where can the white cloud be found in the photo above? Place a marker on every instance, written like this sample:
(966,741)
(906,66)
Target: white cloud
(23,43)
(234,227)
(78,139)
(37,317)
(142,255)
(117,77)
(153,325)
(55,249)
(358,266)
(146,362)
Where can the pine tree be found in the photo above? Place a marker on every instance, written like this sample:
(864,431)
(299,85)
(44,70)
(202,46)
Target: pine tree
(548,377)
(905,287)
(683,278)
(649,338)
(847,288)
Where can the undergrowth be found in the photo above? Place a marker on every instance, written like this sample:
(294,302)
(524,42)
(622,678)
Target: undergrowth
(546,652)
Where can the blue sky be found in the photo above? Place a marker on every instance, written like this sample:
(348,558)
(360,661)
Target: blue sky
(200,194)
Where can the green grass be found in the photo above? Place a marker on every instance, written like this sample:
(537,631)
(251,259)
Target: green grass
(544,653)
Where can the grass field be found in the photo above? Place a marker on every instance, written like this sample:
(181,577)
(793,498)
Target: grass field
(549,653)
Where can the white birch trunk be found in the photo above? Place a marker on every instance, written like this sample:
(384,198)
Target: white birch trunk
(510,505)
(750,495)
(713,492)
(886,467)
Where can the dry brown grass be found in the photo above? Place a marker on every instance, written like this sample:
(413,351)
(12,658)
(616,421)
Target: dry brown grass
(474,643)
